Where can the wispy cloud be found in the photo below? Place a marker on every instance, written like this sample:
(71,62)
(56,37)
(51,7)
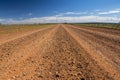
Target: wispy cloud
(29,14)
(92,16)
(110,12)
(54,19)
(1,20)
(75,13)
(90,12)
(71,13)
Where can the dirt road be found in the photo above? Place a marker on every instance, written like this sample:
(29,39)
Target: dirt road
(62,52)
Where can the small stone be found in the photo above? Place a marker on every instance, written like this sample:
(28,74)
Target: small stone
(82,79)
(57,76)
(50,72)
(78,74)
(40,76)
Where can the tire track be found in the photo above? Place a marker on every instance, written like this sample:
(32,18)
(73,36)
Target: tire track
(52,54)
(104,42)
(18,35)
(14,52)
(13,45)
(64,59)
(101,30)
(112,37)
(88,42)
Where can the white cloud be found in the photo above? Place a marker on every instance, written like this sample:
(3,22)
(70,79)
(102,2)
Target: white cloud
(96,10)
(75,13)
(90,12)
(92,16)
(110,12)
(54,19)
(71,13)
(1,20)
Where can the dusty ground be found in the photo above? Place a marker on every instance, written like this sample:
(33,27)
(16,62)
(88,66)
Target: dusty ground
(63,52)
(11,32)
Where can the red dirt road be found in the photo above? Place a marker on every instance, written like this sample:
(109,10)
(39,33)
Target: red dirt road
(63,52)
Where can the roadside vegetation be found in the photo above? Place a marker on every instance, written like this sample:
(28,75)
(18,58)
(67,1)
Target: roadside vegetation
(101,25)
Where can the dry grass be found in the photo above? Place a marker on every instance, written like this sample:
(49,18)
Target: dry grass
(102,25)
(9,29)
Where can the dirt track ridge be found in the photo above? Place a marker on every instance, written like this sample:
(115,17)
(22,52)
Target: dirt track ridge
(62,52)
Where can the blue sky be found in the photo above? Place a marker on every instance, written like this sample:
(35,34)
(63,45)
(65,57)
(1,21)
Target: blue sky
(41,11)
